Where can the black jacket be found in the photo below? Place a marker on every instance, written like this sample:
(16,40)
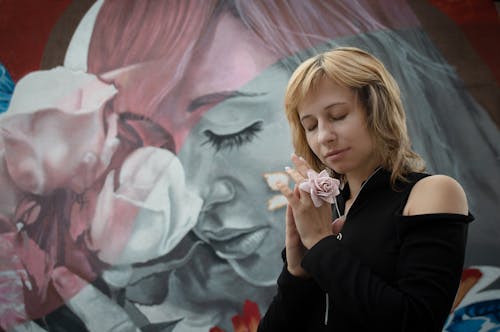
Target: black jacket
(388,273)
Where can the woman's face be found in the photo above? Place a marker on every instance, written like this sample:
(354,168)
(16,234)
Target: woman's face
(335,126)
(237,142)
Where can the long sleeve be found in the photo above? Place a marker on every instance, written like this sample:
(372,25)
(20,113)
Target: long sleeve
(295,303)
(428,269)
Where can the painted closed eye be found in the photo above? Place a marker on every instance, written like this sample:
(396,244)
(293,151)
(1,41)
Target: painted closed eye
(229,141)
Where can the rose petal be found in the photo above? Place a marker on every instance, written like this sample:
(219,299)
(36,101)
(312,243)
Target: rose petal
(61,88)
(150,211)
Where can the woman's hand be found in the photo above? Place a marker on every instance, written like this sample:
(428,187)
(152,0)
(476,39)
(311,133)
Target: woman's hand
(305,224)
(295,250)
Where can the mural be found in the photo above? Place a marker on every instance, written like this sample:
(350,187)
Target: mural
(138,168)
(6,88)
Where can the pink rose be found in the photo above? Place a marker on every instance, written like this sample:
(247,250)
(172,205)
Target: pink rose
(321,187)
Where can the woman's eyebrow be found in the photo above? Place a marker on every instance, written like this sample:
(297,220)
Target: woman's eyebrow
(305,117)
(217,97)
(333,105)
(328,107)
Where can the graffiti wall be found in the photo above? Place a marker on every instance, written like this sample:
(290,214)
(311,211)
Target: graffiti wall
(140,143)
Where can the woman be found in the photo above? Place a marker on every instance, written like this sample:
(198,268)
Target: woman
(393,259)
(210,77)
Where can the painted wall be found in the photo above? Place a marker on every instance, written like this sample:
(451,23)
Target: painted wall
(140,143)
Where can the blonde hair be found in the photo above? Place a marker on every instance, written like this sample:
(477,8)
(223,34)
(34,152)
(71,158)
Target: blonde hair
(379,95)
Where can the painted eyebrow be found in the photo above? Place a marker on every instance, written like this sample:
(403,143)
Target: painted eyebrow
(217,97)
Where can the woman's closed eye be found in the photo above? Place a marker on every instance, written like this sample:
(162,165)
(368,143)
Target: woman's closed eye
(339,117)
(310,127)
(229,141)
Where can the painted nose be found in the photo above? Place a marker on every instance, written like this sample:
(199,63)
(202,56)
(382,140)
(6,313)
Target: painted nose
(222,191)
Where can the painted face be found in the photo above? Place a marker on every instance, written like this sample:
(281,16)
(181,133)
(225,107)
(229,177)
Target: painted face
(228,152)
(335,126)
(226,157)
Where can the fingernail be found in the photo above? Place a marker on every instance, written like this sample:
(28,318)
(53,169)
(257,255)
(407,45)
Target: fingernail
(287,168)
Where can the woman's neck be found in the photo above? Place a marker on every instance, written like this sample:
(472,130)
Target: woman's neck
(356,180)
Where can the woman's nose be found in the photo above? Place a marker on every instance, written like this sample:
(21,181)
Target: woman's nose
(326,132)
(221,191)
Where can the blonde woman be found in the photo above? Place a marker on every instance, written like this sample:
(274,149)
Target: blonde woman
(393,257)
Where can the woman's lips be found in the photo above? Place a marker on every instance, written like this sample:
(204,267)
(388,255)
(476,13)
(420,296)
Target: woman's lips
(336,154)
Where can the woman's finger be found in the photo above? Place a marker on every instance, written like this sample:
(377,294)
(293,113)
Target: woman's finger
(301,165)
(295,175)
(298,178)
(337,225)
(289,194)
(305,200)
(291,229)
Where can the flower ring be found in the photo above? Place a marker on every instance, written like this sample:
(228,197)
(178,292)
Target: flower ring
(321,187)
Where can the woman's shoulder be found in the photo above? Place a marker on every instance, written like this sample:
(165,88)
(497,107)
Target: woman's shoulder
(436,194)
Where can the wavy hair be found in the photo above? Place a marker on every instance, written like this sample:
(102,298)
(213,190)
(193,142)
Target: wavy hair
(380,98)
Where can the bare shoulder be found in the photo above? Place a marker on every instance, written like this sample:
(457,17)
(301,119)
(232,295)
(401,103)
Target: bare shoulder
(436,194)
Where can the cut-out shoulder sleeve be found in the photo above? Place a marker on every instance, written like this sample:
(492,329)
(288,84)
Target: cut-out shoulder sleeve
(436,194)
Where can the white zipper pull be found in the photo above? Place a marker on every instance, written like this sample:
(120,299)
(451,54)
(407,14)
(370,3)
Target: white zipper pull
(327,307)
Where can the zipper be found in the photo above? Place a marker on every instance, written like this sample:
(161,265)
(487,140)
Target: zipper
(327,308)
(339,237)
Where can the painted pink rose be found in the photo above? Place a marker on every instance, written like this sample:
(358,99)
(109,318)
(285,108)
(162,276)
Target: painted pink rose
(83,188)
